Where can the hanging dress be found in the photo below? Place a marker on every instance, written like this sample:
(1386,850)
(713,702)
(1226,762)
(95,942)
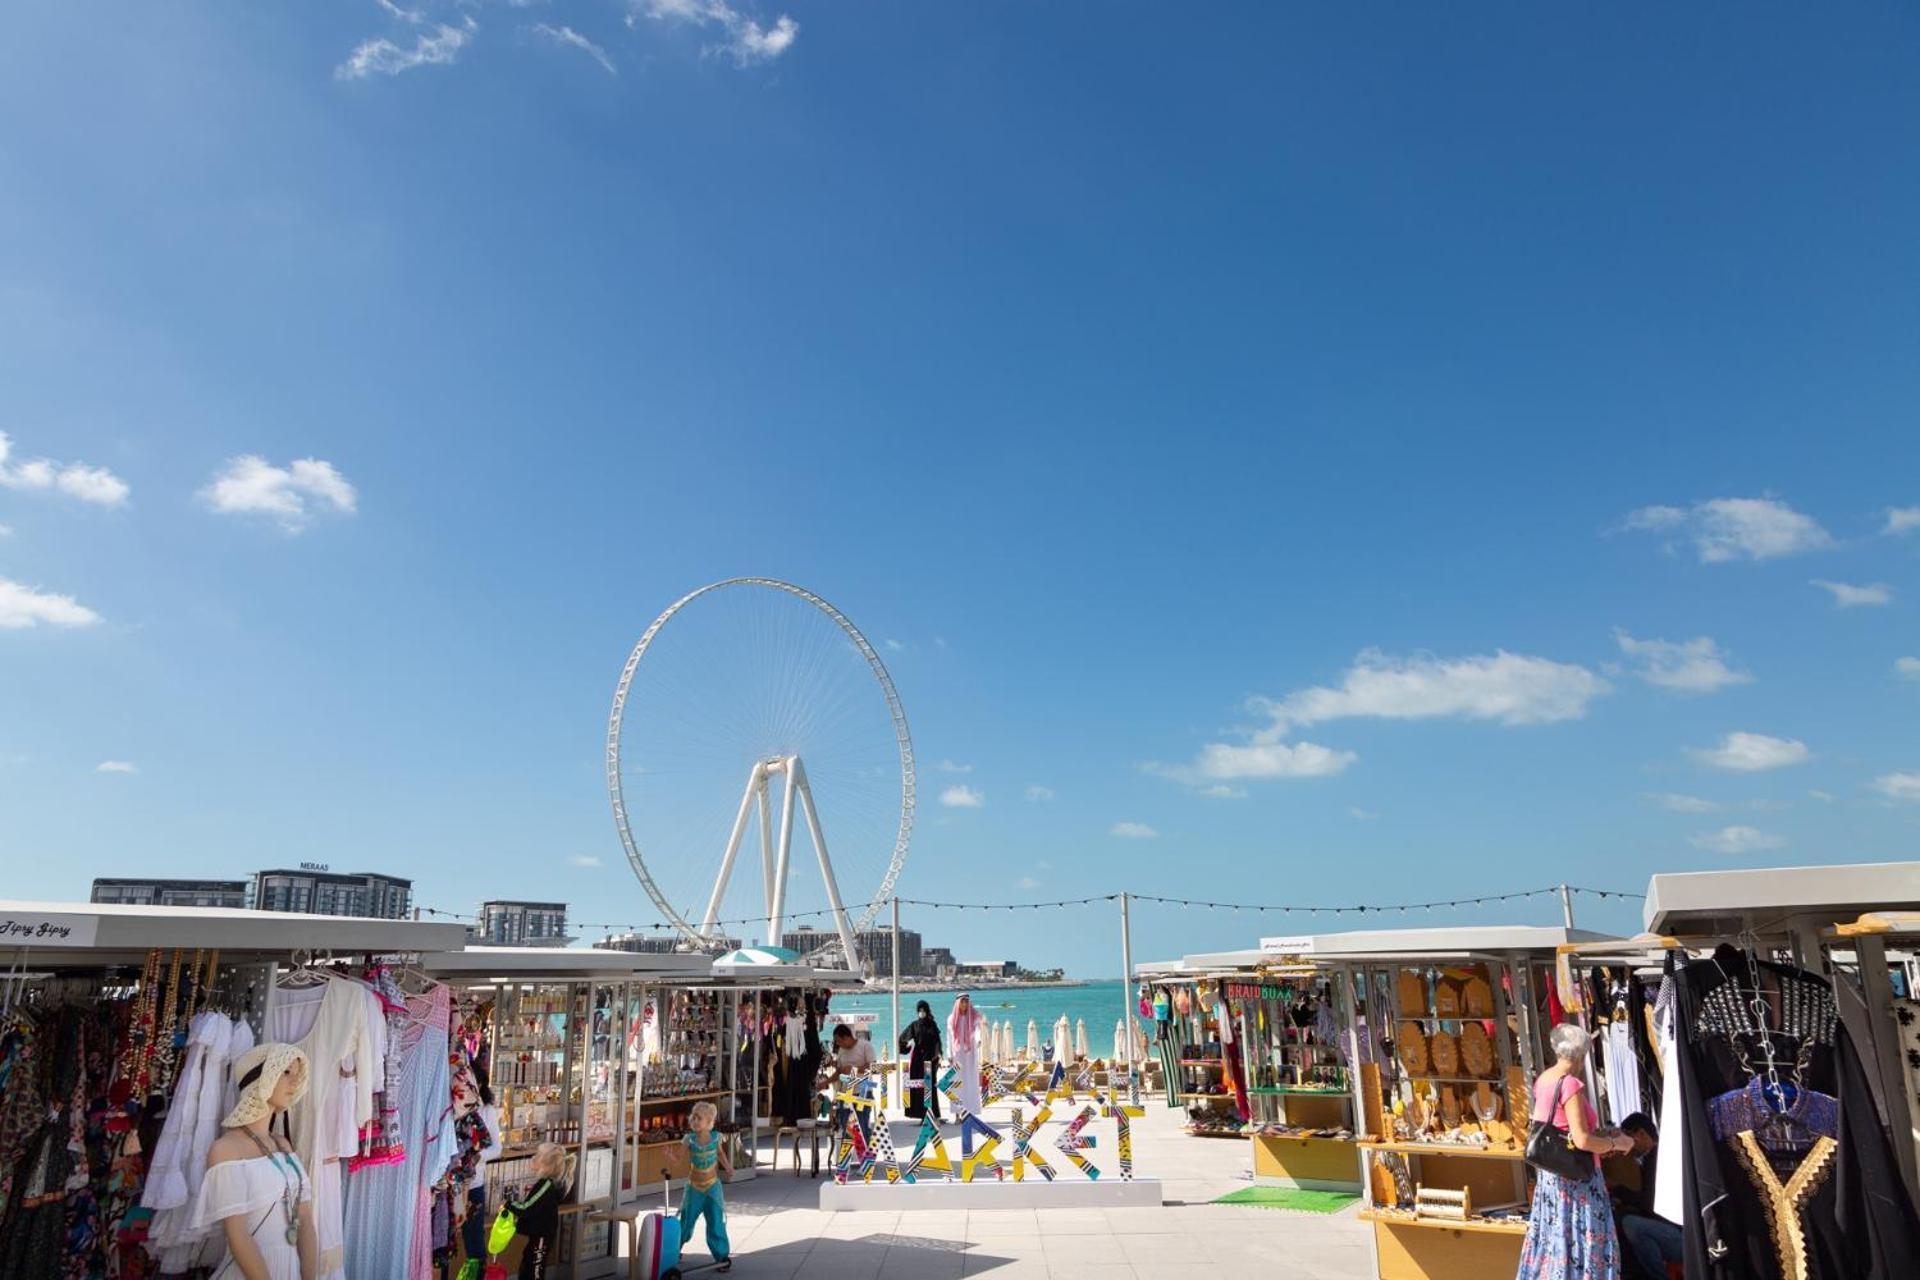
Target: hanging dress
(388,1205)
(180,1156)
(329,1023)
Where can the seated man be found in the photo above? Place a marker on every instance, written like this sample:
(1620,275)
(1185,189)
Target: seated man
(851,1058)
(1651,1241)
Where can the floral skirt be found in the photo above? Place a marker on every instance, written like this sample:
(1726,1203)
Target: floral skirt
(1570,1231)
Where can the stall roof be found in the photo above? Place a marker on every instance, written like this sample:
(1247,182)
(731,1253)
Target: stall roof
(1369,943)
(71,934)
(566,964)
(1725,902)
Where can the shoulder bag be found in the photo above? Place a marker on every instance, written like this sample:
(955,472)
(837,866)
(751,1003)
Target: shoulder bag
(1550,1149)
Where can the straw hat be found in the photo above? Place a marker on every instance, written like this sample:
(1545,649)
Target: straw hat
(265,1063)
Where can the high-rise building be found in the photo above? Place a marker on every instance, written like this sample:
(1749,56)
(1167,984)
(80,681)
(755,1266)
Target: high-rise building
(936,962)
(315,890)
(876,947)
(171,893)
(522,924)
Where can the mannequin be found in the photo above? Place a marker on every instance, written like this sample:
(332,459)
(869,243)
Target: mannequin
(256,1189)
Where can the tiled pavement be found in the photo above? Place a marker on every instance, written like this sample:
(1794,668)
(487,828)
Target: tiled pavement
(779,1232)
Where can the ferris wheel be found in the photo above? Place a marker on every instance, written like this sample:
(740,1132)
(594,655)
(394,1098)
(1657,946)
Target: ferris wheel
(739,688)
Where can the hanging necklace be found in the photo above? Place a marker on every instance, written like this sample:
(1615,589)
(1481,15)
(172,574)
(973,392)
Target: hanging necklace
(291,1193)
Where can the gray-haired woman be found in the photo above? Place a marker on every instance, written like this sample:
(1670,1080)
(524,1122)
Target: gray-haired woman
(1570,1229)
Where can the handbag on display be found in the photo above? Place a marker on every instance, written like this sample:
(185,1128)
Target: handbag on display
(1551,1149)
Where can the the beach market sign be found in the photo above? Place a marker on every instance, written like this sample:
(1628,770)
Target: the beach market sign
(40,929)
(1301,946)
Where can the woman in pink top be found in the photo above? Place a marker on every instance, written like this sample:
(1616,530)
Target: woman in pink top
(1570,1227)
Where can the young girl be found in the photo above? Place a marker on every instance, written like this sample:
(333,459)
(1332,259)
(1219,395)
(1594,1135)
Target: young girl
(704,1198)
(538,1216)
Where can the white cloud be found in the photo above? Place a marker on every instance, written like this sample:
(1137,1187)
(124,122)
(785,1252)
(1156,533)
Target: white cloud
(1907,668)
(1725,529)
(1026,882)
(1737,840)
(1673,802)
(962,797)
(1902,519)
(1221,791)
(584,860)
(1133,831)
(567,36)
(77,480)
(1899,786)
(1824,797)
(1512,688)
(948,766)
(1848,596)
(746,41)
(292,495)
(116,766)
(1754,752)
(1258,760)
(893,646)
(1363,815)
(6,531)
(1689,666)
(22,607)
(1039,794)
(381,56)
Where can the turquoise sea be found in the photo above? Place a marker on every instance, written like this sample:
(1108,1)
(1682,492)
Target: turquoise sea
(1098,1002)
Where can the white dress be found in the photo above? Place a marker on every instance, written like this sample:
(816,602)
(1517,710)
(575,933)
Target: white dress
(331,1024)
(254,1189)
(180,1156)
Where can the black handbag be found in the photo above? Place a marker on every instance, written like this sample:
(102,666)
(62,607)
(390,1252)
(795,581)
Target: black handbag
(1551,1150)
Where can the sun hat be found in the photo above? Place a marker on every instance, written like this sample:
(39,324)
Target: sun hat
(256,1072)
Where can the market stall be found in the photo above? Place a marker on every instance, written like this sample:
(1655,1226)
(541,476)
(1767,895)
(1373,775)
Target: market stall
(117,1028)
(1287,1014)
(1195,1024)
(601,1052)
(1446,1030)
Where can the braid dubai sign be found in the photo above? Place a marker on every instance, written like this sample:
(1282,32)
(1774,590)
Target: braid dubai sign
(1009,1164)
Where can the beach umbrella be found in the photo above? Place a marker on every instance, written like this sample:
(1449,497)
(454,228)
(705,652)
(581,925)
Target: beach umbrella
(1006,1041)
(1080,1039)
(1062,1039)
(1033,1040)
(1119,1041)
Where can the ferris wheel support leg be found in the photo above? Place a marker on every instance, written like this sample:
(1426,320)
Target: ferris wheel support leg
(756,781)
(777,908)
(766,837)
(826,871)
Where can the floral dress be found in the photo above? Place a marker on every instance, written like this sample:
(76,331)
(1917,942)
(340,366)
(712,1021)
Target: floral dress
(1570,1227)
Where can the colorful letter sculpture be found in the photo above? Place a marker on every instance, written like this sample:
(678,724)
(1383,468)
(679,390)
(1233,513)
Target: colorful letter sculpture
(863,1143)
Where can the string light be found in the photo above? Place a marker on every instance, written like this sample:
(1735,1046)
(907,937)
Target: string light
(1183,903)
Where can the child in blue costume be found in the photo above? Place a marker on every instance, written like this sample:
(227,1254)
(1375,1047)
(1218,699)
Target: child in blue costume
(704,1199)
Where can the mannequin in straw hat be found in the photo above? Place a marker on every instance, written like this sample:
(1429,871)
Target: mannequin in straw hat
(256,1189)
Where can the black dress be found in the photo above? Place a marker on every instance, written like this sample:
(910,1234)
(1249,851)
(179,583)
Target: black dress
(921,1041)
(1808,1192)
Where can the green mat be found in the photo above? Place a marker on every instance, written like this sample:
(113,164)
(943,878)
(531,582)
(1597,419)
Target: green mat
(1289,1198)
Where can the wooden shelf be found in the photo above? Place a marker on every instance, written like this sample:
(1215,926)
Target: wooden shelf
(1201,1062)
(1401,1218)
(1298,1091)
(1217,1133)
(1444,1149)
(1297,1137)
(667,1099)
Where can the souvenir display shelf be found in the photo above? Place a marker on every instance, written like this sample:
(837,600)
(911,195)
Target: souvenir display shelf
(1436,1112)
(1302,1131)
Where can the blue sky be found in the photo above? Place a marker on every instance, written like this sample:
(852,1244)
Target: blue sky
(1259,428)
